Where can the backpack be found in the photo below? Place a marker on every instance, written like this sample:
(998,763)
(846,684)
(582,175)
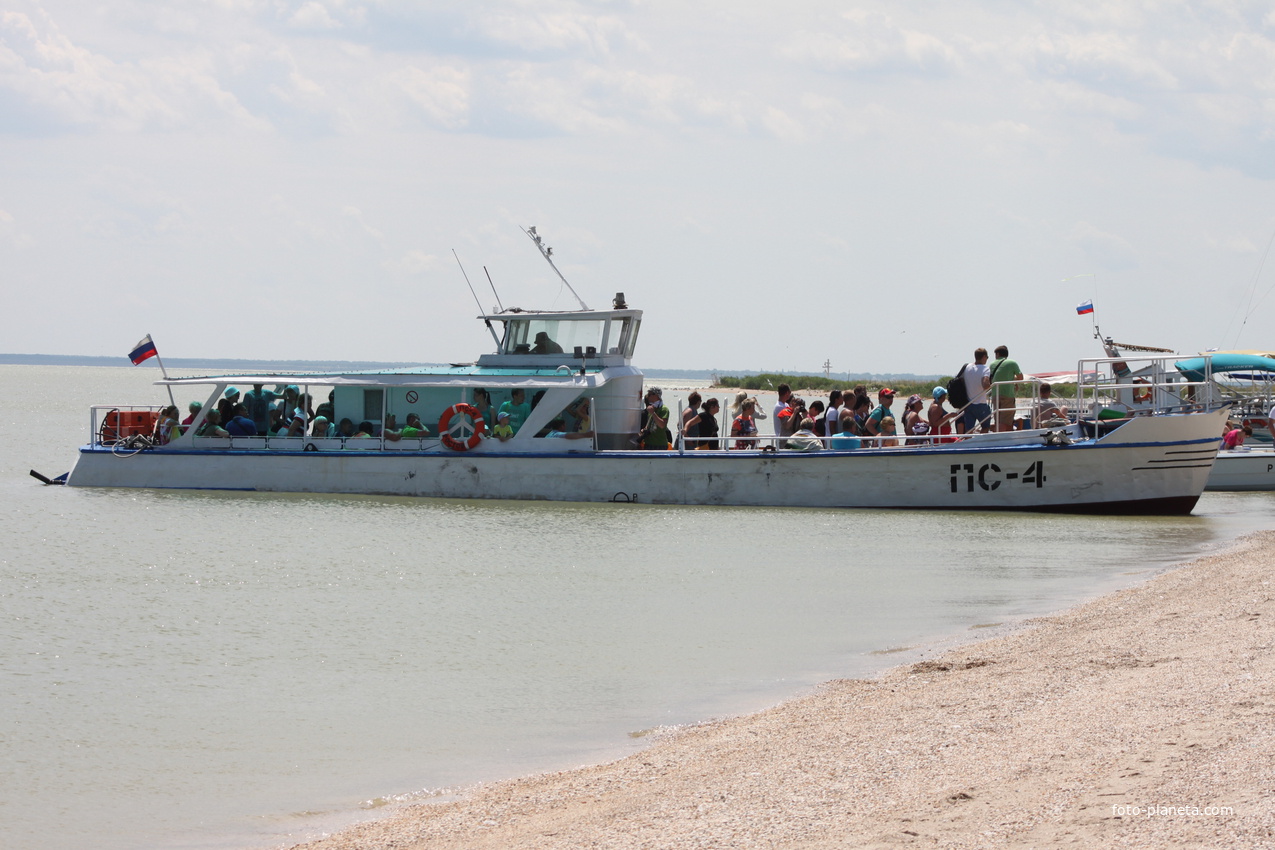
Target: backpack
(956,390)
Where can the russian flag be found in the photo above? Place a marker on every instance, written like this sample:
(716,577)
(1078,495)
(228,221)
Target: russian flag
(1081,309)
(144,350)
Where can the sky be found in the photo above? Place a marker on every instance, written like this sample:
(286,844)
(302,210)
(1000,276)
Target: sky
(880,187)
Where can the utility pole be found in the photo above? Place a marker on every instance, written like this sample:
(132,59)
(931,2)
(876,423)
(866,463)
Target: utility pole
(827,368)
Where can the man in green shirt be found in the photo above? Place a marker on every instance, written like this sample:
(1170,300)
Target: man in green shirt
(1004,402)
(411,431)
(655,421)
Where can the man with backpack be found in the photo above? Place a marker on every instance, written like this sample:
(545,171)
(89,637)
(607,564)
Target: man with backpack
(977,381)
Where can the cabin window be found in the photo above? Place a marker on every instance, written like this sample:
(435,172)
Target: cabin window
(373,404)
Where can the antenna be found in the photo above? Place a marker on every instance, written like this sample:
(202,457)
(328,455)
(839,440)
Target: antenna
(547,252)
(486,321)
(493,289)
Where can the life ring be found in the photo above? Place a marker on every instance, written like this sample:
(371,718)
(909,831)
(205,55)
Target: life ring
(449,433)
(1141,391)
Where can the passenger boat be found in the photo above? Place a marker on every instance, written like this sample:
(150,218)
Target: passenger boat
(1154,459)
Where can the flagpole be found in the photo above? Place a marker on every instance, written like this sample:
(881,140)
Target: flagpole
(164,372)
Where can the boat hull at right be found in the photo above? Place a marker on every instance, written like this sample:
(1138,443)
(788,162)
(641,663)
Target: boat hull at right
(1243,470)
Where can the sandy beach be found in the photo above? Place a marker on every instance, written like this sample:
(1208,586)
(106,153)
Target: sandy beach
(1145,718)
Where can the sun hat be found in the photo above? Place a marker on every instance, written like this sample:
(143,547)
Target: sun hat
(886,391)
(504,414)
(232,392)
(939,392)
(913,399)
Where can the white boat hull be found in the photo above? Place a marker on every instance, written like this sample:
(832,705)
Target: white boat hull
(1147,465)
(1243,470)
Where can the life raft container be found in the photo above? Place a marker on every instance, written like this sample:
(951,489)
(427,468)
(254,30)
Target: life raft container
(450,433)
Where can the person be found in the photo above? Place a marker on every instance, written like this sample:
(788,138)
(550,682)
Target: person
(558,428)
(167,428)
(1236,436)
(240,425)
(287,401)
(257,402)
(977,381)
(845,439)
(503,430)
(226,409)
(939,420)
(832,419)
(413,430)
(296,421)
(482,403)
(804,438)
(691,420)
(326,409)
(654,433)
(816,415)
(345,430)
(517,408)
(322,428)
(742,427)
(194,407)
(878,415)
(366,431)
(708,429)
(888,430)
(212,426)
(1047,411)
(580,413)
(232,395)
(783,414)
(914,424)
(1003,395)
(545,345)
(738,405)
(862,406)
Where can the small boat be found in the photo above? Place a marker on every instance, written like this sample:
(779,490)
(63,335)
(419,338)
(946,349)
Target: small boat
(1150,458)
(1243,469)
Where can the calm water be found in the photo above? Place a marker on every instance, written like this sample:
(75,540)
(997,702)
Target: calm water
(233,670)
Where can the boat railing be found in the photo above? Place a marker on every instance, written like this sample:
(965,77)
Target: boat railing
(111,423)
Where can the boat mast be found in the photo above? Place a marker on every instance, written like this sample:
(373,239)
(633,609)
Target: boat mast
(547,253)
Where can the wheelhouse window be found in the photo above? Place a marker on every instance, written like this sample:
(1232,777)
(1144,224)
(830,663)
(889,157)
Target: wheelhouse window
(553,336)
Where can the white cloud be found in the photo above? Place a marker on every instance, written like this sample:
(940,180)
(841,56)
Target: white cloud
(414,263)
(313,16)
(441,93)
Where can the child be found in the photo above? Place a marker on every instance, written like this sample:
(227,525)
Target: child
(887,432)
(503,430)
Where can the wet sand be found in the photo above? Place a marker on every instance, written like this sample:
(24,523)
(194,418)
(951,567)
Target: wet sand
(1145,718)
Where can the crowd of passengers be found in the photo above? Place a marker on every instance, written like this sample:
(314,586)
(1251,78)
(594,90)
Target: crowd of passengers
(850,419)
(288,412)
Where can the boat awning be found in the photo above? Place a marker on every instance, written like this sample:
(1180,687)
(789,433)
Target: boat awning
(1071,377)
(1225,362)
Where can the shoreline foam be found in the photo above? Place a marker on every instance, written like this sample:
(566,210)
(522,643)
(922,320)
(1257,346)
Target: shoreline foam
(1066,730)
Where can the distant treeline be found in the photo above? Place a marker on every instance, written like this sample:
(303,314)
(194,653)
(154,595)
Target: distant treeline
(768,381)
(924,387)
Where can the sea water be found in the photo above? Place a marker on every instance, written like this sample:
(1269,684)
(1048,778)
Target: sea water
(239,670)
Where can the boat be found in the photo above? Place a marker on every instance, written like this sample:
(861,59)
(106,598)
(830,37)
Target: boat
(1154,459)
(1244,377)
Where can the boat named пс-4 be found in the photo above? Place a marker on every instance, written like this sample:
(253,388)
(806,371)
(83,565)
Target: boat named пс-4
(1119,457)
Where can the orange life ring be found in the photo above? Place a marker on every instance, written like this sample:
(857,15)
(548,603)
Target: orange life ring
(449,433)
(1143,394)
